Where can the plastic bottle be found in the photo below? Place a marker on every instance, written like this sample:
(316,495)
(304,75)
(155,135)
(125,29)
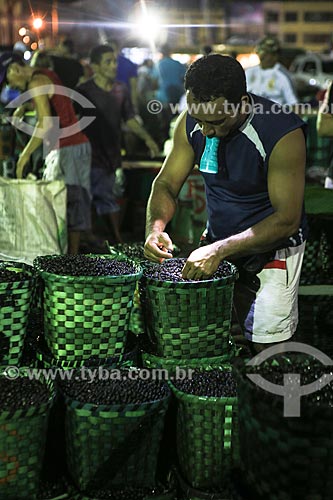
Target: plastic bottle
(209,158)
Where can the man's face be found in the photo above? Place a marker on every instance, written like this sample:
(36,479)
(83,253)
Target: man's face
(216,118)
(16,77)
(107,67)
(267,59)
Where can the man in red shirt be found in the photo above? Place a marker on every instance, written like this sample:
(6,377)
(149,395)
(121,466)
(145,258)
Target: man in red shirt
(69,155)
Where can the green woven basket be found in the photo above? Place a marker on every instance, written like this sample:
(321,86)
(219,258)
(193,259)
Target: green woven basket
(317,254)
(22,444)
(87,316)
(15,299)
(207,441)
(114,445)
(285,457)
(189,319)
(45,359)
(134,251)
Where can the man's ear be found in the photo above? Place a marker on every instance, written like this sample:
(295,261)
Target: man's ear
(94,67)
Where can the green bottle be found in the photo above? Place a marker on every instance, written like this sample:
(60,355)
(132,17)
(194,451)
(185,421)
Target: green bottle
(209,159)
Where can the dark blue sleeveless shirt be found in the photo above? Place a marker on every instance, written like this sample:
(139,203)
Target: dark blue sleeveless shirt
(237,196)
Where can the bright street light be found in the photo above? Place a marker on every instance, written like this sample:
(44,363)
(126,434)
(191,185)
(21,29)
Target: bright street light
(37,23)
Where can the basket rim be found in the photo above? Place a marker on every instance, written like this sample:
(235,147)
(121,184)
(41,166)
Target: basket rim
(96,279)
(192,398)
(26,268)
(231,278)
(20,413)
(114,408)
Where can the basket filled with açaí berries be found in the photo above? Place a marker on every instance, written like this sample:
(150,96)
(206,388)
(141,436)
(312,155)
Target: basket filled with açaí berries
(187,318)
(16,288)
(24,411)
(87,300)
(114,425)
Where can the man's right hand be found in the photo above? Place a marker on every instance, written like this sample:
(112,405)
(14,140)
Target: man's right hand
(158,246)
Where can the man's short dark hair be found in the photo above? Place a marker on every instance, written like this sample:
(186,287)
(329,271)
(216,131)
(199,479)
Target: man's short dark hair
(97,52)
(6,59)
(214,76)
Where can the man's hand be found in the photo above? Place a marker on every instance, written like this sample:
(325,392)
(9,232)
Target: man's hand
(21,163)
(158,246)
(153,147)
(202,263)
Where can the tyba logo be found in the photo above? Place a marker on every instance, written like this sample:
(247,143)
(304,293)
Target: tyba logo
(292,390)
(50,131)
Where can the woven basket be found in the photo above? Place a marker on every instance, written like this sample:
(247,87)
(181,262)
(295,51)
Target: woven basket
(207,443)
(281,454)
(22,443)
(87,316)
(114,445)
(318,257)
(46,360)
(189,319)
(134,252)
(15,299)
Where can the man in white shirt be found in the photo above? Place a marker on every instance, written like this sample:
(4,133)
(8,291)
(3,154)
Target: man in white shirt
(270,79)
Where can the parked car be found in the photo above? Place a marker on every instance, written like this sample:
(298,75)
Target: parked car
(312,70)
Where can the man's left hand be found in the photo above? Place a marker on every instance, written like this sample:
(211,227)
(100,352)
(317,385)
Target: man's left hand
(202,263)
(153,147)
(21,163)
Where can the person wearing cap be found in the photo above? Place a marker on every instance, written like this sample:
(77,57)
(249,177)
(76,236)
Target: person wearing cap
(68,157)
(270,79)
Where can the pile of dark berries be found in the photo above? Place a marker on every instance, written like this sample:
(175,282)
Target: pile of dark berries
(50,490)
(83,265)
(171,270)
(10,274)
(21,393)
(120,390)
(125,493)
(214,383)
(134,251)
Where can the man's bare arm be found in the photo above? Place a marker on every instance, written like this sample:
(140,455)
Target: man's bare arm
(43,124)
(162,201)
(325,116)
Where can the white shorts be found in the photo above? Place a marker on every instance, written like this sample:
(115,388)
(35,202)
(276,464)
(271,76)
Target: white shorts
(267,307)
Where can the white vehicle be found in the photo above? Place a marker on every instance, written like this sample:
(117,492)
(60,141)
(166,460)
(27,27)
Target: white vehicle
(312,70)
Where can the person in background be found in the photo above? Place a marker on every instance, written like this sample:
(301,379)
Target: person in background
(147,86)
(127,72)
(270,79)
(254,195)
(170,87)
(325,129)
(206,50)
(112,106)
(69,157)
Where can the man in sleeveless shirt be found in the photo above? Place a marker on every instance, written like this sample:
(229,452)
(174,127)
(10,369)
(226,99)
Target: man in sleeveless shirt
(254,202)
(69,156)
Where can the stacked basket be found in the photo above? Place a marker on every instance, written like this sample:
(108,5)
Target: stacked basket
(284,454)
(16,289)
(23,422)
(187,322)
(86,316)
